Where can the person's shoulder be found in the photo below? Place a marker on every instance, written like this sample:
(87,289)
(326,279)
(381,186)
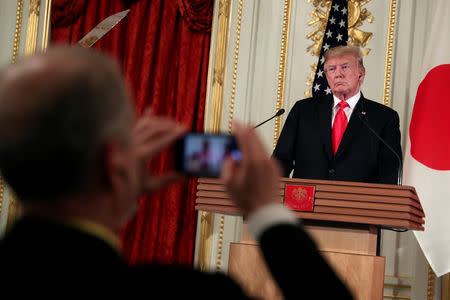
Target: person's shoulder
(379,107)
(310,102)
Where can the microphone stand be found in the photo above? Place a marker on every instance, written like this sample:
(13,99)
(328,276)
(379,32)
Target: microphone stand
(279,113)
(362,117)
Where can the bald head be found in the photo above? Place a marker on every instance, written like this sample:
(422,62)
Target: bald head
(57,109)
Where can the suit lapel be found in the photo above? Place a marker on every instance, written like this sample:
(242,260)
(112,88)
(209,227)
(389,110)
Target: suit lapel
(325,106)
(353,128)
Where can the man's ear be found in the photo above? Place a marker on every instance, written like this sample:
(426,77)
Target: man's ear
(114,165)
(361,75)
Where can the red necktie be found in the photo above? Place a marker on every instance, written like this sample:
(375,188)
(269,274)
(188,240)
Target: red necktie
(339,125)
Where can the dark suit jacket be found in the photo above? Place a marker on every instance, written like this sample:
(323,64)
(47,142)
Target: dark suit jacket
(52,255)
(305,143)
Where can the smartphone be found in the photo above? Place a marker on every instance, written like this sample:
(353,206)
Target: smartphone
(202,155)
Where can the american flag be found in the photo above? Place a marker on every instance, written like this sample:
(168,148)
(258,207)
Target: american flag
(336,34)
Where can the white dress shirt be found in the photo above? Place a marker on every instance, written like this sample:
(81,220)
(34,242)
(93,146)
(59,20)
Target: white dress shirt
(352,101)
(267,216)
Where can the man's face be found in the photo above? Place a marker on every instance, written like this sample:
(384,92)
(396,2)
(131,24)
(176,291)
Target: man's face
(344,76)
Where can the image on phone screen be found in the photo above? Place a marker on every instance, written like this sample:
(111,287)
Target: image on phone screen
(203,154)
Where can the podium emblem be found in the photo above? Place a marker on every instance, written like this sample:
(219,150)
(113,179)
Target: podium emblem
(299,197)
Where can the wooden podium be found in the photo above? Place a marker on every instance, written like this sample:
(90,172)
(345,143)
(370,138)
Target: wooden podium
(345,222)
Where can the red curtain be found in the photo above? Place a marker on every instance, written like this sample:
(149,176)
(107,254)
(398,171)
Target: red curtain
(163,49)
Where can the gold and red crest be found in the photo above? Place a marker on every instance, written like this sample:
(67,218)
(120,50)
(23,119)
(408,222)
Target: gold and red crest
(298,197)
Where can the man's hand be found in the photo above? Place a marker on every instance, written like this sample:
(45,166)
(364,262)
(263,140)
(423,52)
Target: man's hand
(253,181)
(152,134)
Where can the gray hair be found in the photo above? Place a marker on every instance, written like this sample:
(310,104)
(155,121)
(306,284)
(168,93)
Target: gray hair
(55,119)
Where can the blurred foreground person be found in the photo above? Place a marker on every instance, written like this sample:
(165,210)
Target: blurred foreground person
(74,152)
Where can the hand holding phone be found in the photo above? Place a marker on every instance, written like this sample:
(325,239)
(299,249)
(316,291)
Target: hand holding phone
(202,155)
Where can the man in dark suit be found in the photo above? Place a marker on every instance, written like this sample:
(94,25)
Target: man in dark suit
(74,153)
(321,140)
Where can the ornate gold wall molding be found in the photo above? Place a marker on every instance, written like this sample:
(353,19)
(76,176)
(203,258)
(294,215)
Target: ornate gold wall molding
(235,63)
(219,66)
(15,54)
(215,121)
(206,229)
(430,290)
(46,27)
(32,27)
(446,287)
(230,123)
(282,67)
(2,189)
(30,48)
(389,45)
(17,31)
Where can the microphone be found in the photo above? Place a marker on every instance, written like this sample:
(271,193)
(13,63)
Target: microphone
(279,113)
(362,117)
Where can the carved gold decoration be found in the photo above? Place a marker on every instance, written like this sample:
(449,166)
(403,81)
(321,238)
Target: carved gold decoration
(300,195)
(2,189)
(396,288)
(356,16)
(13,210)
(396,297)
(220,243)
(206,228)
(17,31)
(230,123)
(15,54)
(319,20)
(46,28)
(282,67)
(219,67)
(206,223)
(32,27)
(224,8)
(430,290)
(446,287)
(390,42)
(218,77)
(235,63)
(357,37)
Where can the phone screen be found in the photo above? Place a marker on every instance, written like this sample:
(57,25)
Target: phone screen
(202,155)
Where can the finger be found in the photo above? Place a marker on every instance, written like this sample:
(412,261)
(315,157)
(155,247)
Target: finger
(155,143)
(241,140)
(255,145)
(148,111)
(149,124)
(150,128)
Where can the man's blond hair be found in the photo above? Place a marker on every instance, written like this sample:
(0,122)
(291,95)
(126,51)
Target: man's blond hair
(342,50)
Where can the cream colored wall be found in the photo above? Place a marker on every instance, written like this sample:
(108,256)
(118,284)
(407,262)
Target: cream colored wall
(255,69)
(18,33)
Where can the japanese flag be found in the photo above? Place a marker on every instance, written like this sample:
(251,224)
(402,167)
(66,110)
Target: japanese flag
(427,157)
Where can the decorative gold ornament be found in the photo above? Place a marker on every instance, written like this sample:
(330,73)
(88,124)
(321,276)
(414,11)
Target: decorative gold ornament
(356,16)
(356,37)
(214,124)
(32,27)
(282,68)
(300,195)
(224,8)
(17,31)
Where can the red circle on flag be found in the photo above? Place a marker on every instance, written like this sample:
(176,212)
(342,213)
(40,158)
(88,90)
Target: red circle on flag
(429,131)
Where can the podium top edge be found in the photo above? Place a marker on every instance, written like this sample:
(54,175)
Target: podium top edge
(324,182)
